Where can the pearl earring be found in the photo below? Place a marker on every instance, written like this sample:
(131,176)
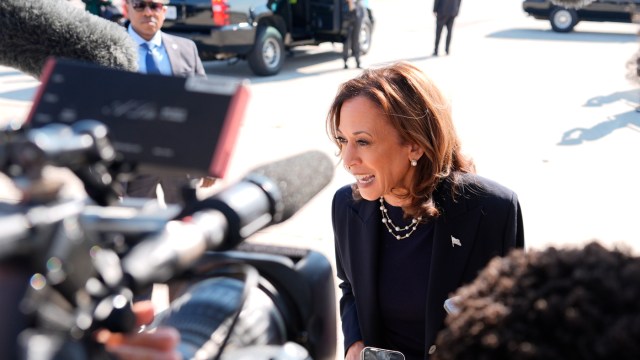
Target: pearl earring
(414,162)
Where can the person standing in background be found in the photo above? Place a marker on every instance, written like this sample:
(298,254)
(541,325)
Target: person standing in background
(164,54)
(352,41)
(445,12)
(170,55)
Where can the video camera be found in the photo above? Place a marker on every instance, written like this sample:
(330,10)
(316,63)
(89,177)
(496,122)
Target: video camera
(70,266)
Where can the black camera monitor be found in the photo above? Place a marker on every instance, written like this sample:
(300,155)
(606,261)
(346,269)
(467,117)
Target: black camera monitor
(159,124)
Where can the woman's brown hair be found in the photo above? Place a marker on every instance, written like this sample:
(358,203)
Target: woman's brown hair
(421,115)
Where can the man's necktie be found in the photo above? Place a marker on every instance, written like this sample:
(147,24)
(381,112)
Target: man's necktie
(152,67)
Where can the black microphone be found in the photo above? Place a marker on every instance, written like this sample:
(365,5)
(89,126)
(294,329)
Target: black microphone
(268,195)
(32,31)
(574,4)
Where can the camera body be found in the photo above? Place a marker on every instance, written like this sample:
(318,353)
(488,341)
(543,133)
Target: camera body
(66,263)
(291,300)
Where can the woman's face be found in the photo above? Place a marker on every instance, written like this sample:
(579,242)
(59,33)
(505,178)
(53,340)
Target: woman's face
(372,151)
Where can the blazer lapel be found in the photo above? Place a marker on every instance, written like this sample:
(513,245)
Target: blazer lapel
(172,53)
(365,237)
(454,238)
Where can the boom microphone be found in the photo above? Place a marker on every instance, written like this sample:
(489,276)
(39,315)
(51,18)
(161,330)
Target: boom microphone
(33,30)
(573,4)
(268,195)
(299,178)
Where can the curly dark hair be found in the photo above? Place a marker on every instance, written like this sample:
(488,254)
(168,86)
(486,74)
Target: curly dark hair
(550,304)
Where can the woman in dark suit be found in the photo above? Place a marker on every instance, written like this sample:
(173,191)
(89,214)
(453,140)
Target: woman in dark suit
(418,223)
(446,12)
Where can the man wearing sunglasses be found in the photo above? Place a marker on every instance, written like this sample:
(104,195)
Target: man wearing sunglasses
(173,55)
(165,54)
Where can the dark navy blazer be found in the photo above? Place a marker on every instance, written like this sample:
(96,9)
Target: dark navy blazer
(446,8)
(486,219)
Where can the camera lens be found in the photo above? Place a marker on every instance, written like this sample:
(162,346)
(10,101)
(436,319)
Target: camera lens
(204,316)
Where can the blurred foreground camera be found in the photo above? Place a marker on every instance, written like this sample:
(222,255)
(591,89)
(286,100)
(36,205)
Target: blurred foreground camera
(256,295)
(70,266)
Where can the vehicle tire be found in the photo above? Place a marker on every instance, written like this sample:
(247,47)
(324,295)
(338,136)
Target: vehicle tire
(366,32)
(563,20)
(267,56)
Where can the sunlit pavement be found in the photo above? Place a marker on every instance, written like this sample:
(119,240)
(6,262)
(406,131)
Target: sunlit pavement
(550,115)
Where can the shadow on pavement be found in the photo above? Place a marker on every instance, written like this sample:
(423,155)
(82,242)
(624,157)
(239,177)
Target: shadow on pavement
(631,96)
(575,36)
(577,136)
(294,63)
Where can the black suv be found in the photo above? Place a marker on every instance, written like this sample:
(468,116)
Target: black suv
(261,31)
(564,19)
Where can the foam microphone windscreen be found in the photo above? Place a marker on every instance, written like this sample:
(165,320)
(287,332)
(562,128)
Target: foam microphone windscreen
(299,178)
(33,30)
(572,4)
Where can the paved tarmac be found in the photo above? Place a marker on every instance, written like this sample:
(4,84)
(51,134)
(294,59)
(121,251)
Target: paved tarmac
(549,115)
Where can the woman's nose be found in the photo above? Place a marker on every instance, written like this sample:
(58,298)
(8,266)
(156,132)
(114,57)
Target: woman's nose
(348,156)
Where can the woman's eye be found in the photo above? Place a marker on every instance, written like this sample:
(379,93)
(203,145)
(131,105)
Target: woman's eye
(360,142)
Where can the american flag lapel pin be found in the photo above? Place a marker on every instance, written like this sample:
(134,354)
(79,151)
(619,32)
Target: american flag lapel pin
(455,241)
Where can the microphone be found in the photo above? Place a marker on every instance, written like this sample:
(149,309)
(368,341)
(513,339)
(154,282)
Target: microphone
(574,4)
(32,31)
(268,195)
(299,178)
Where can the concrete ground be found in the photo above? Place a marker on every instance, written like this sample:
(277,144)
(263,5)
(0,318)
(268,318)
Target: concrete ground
(550,115)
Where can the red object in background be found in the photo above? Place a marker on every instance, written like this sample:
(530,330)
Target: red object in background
(219,12)
(123,8)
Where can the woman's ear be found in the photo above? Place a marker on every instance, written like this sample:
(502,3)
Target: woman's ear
(416,152)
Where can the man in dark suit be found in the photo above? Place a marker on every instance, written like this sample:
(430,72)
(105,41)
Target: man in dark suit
(352,41)
(445,12)
(165,54)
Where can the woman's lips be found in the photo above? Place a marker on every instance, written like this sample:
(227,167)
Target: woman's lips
(364,179)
